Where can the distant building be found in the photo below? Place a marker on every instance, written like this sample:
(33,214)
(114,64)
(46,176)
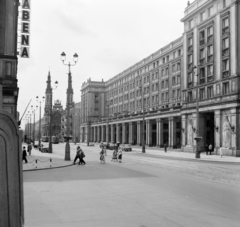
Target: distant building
(164,85)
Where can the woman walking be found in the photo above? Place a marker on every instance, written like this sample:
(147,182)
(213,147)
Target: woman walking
(102,158)
(119,154)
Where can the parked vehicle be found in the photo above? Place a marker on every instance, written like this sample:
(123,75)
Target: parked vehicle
(110,146)
(126,147)
(55,139)
(45,139)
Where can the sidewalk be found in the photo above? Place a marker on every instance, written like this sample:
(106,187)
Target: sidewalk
(177,153)
(38,160)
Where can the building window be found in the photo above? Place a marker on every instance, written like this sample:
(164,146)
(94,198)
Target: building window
(202,38)
(202,94)
(202,56)
(166,72)
(225,65)
(210,53)
(173,68)
(8,69)
(210,92)
(163,60)
(225,26)
(167,58)
(178,79)
(224,3)
(178,66)
(163,96)
(190,80)
(190,97)
(162,84)
(210,73)
(190,24)
(210,34)
(190,60)
(179,52)
(210,11)
(162,72)
(174,54)
(173,94)
(225,88)
(202,16)
(178,93)
(166,84)
(156,75)
(225,46)
(166,96)
(190,44)
(202,75)
(173,81)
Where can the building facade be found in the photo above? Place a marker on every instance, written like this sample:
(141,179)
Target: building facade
(200,70)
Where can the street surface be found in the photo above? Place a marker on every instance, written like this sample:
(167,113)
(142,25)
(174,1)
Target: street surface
(145,190)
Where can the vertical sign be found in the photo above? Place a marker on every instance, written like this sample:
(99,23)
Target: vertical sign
(25,29)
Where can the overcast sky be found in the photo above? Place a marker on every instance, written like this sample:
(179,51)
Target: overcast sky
(108,35)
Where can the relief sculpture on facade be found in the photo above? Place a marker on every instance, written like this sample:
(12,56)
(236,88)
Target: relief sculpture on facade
(190,133)
(227,133)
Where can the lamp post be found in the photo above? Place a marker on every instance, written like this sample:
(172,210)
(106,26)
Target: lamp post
(33,111)
(197,138)
(143,130)
(39,130)
(68,136)
(30,131)
(50,122)
(107,140)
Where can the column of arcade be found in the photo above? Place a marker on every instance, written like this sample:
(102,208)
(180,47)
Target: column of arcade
(157,132)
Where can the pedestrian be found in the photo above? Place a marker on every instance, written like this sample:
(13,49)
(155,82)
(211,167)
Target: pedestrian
(105,149)
(210,148)
(29,148)
(24,155)
(77,155)
(206,148)
(102,158)
(81,156)
(165,147)
(119,154)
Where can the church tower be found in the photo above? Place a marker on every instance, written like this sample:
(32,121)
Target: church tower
(48,104)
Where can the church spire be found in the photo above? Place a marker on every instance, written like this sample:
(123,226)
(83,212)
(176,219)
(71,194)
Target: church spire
(49,87)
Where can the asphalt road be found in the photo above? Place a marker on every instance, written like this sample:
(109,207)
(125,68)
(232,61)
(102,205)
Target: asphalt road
(141,191)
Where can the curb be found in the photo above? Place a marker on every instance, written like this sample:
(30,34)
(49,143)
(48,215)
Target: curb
(27,170)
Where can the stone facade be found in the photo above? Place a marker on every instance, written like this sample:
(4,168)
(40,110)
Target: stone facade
(199,70)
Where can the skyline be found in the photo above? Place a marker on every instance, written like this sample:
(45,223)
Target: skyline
(105,47)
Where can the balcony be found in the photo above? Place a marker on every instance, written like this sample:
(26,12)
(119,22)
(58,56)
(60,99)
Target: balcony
(225,73)
(210,38)
(210,78)
(202,80)
(202,61)
(225,52)
(202,41)
(190,84)
(210,58)
(225,31)
(190,48)
(190,65)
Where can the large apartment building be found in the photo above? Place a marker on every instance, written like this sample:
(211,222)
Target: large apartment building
(198,70)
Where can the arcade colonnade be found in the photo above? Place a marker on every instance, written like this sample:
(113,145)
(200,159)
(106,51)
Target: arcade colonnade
(219,127)
(157,132)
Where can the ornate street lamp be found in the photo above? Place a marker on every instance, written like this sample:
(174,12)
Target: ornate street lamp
(197,137)
(143,130)
(67,134)
(50,122)
(39,130)
(33,111)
